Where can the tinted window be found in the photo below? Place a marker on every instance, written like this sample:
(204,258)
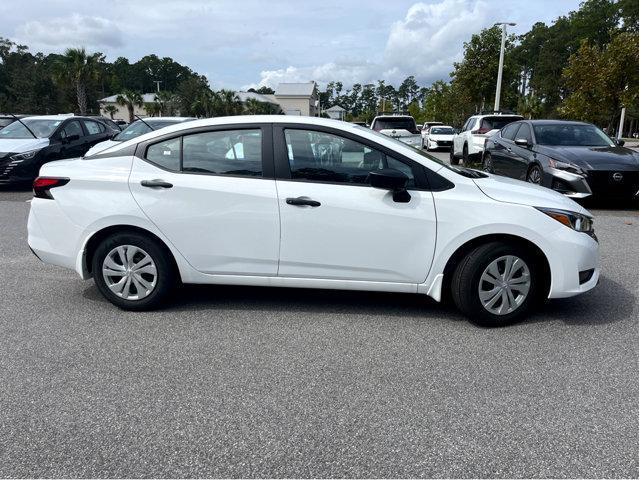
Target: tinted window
(324,157)
(568,135)
(441,131)
(234,152)
(469,123)
(165,154)
(510,131)
(399,123)
(497,123)
(73,128)
(93,128)
(524,132)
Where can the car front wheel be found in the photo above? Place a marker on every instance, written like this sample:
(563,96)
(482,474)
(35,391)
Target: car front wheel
(133,271)
(496,284)
(534,175)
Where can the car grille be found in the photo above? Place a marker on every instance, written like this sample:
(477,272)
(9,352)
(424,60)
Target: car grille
(606,183)
(444,143)
(4,165)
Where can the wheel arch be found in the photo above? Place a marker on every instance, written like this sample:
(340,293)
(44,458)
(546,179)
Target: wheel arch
(97,237)
(473,243)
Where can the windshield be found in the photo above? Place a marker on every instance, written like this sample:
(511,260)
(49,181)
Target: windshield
(42,128)
(5,121)
(441,131)
(572,135)
(138,128)
(399,123)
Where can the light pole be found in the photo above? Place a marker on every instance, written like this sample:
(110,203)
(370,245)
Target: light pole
(501,61)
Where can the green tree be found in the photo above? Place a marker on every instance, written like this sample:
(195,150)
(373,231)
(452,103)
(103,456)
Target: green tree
(79,69)
(111,110)
(130,99)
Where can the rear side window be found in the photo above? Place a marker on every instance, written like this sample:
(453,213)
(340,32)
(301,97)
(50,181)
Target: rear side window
(509,132)
(165,154)
(73,128)
(93,128)
(233,152)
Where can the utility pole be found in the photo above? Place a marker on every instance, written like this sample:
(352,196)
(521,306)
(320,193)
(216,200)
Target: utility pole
(501,61)
(621,122)
(157,82)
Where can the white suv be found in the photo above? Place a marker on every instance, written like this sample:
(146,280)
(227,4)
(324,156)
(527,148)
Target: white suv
(468,144)
(400,127)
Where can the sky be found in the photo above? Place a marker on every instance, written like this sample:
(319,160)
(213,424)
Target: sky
(239,44)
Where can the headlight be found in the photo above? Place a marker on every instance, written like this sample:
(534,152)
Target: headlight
(569,167)
(574,220)
(19,157)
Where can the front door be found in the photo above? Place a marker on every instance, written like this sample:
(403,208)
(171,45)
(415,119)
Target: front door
(209,193)
(334,225)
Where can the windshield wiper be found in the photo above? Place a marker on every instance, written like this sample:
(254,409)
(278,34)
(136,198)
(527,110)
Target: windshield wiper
(24,125)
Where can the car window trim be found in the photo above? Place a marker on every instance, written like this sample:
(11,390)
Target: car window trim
(267,148)
(283,168)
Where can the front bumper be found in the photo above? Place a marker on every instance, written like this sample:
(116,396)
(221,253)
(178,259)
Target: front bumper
(570,184)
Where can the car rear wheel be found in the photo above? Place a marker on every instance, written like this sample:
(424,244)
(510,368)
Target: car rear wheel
(453,159)
(465,155)
(496,284)
(132,271)
(534,175)
(488,163)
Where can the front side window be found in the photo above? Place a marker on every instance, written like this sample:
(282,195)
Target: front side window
(525,133)
(166,154)
(509,132)
(233,152)
(324,157)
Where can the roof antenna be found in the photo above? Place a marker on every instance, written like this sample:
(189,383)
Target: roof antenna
(140,118)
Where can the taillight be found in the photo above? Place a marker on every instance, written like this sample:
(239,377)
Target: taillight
(481,131)
(43,185)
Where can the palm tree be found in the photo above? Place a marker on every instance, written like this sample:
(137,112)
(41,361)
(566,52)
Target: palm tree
(79,69)
(255,107)
(111,110)
(165,100)
(154,109)
(130,99)
(206,104)
(230,103)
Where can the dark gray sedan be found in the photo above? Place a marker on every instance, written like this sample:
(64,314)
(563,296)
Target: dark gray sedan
(574,158)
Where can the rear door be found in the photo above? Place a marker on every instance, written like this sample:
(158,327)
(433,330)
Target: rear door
(211,191)
(334,225)
(96,133)
(73,140)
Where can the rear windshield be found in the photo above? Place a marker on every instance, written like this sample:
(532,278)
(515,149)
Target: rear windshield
(138,128)
(441,131)
(497,123)
(399,123)
(571,135)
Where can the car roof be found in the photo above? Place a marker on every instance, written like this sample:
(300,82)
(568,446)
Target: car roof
(60,117)
(384,117)
(557,122)
(167,119)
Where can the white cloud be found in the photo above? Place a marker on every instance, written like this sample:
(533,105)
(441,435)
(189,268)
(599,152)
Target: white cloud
(424,44)
(74,30)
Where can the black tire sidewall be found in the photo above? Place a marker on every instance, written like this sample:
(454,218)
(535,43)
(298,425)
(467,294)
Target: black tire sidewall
(488,156)
(467,277)
(165,270)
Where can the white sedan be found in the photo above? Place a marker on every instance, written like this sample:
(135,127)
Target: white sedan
(306,202)
(438,136)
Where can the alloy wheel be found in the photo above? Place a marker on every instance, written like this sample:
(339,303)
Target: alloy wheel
(534,176)
(504,285)
(129,272)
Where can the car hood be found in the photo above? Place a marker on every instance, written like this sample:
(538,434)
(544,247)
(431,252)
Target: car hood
(509,190)
(440,137)
(20,145)
(100,147)
(594,158)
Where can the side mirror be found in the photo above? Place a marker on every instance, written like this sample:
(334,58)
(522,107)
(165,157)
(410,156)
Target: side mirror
(393,180)
(522,142)
(619,142)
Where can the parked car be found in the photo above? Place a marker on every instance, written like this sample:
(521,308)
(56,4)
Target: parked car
(468,144)
(8,119)
(438,137)
(401,127)
(121,123)
(33,141)
(306,202)
(427,125)
(137,128)
(573,158)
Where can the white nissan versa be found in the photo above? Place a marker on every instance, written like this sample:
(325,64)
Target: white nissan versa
(306,202)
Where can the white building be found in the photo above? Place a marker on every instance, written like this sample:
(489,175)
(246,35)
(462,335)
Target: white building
(336,112)
(297,98)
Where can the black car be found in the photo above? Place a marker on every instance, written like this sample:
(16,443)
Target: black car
(574,158)
(32,141)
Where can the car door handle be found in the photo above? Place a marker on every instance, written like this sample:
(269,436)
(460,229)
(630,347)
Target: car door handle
(156,183)
(302,201)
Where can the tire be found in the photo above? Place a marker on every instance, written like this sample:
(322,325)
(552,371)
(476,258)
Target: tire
(534,175)
(155,278)
(470,276)
(465,155)
(488,163)
(453,159)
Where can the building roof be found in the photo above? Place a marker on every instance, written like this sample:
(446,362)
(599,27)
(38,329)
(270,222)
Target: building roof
(295,89)
(244,96)
(335,108)
(146,98)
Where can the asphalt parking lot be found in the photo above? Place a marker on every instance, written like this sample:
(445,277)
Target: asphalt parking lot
(237,381)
